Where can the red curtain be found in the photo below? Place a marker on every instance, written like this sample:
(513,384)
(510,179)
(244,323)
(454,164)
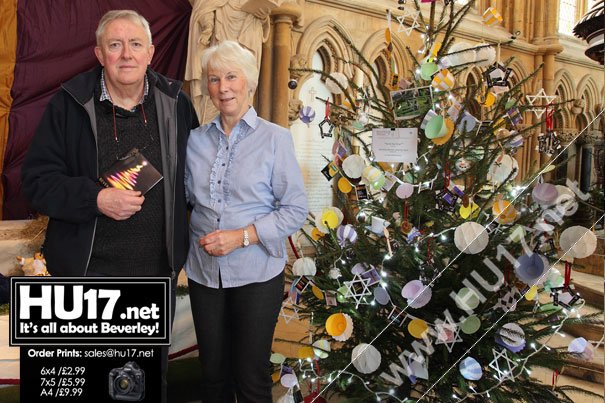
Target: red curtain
(55,42)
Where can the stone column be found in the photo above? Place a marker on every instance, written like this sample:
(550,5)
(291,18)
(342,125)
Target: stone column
(283,18)
(265,82)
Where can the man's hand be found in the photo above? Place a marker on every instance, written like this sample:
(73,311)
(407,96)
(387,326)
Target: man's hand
(119,204)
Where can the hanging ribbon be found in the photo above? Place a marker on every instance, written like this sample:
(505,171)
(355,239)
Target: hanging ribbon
(446,173)
(508,274)
(550,111)
(327,115)
(555,378)
(567,275)
(293,247)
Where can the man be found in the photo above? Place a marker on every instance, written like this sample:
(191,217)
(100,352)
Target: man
(95,119)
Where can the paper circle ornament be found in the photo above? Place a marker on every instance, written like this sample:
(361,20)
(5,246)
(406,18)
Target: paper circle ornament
(338,77)
(444,80)
(485,56)
(566,201)
(365,358)
(531,293)
(435,127)
(470,325)
(470,369)
(306,114)
(317,292)
(321,348)
(346,235)
(578,242)
(275,376)
(416,293)
(545,194)
(316,234)
(427,70)
(471,238)
(467,299)
(515,141)
(289,381)
(467,122)
(492,16)
(504,212)
(583,348)
(341,292)
(353,166)
(418,328)
(503,167)
(511,336)
(304,266)
(348,330)
(530,268)
(404,190)
(472,210)
(429,115)
(344,185)
(371,175)
(462,164)
(277,358)
(488,100)
(359,268)
(381,296)
(449,124)
(334,273)
(336,324)
(329,218)
(461,53)
(305,352)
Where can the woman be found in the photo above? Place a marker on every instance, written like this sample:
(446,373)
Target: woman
(247,193)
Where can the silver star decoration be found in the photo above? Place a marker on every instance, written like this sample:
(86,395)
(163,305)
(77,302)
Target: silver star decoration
(507,370)
(357,289)
(413,14)
(539,110)
(288,307)
(443,329)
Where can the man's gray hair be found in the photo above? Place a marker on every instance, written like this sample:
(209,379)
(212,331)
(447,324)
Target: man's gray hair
(130,15)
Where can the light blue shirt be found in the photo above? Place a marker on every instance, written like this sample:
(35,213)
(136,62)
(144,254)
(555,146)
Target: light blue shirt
(248,177)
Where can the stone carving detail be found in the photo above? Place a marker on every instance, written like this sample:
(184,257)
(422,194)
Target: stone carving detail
(578,106)
(294,106)
(297,62)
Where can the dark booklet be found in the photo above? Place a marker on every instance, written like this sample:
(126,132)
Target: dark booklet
(132,172)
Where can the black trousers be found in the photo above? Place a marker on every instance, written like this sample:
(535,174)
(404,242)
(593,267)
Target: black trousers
(164,349)
(234,329)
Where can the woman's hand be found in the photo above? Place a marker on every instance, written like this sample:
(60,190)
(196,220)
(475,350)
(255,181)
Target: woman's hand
(221,242)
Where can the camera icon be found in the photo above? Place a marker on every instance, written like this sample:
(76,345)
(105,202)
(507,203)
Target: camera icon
(127,383)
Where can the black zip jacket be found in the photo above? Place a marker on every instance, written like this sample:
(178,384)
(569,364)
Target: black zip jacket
(60,171)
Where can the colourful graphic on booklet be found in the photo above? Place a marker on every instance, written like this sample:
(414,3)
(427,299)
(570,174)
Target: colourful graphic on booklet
(133,172)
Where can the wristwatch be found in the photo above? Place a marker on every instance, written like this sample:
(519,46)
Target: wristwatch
(246,241)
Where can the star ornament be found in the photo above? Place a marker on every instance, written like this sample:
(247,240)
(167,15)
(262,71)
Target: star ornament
(410,14)
(565,297)
(357,289)
(539,109)
(447,333)
(289,311)
(326,127)
(497,75)
(504,369)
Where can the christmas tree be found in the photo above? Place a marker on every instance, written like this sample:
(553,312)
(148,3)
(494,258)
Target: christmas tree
(434,276)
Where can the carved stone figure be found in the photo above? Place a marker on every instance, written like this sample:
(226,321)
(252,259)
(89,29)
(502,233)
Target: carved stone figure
(213,21)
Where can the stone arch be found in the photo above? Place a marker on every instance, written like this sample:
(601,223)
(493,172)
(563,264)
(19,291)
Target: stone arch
(519,74)
(322,36)
(375,48)
(565,90)
(587,89)
(565,81)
